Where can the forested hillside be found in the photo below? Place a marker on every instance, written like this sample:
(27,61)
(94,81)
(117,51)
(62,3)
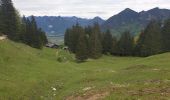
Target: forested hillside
(134,21)
(20,29)
(91,42)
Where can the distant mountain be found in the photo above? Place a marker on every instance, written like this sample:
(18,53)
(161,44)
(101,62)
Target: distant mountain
(134,21)
(126,20)
(56,25)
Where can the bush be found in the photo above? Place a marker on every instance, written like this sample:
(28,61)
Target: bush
(62,59)
(64,56)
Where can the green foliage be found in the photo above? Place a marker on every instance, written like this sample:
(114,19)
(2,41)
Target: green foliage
(64,56)
(84,42)
(66,37)
(1,23)
(125,45)
(9,18)
(95,45)
(166,36)
(133,27)
(81,52)
(24,30)
(31,34)
(107,42)
(150,42)
(71,37)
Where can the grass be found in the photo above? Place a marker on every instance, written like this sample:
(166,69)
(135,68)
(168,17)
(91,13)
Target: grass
(31,74)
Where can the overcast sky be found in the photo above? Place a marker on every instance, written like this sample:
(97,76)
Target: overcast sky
(85,8)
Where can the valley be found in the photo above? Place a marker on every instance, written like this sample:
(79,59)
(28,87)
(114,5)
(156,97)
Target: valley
(63,50)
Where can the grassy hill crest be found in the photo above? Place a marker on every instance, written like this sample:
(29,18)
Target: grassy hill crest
(27,73)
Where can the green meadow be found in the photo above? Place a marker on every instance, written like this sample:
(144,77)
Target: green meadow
(31,74)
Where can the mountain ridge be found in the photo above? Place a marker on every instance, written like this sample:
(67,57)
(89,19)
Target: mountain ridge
(54,25)
(127,19)
(134,21)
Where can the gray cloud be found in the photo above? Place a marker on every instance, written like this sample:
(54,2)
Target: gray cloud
(85,8)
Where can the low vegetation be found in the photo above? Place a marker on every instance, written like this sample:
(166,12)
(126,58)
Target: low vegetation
(31,74)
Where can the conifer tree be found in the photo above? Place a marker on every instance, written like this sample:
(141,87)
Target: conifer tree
(17,29)
(125,44)
(107,42)
(67,37)
(27,35)
(114,46)
(166,36)
(149,42)
(31,34)
(1,23)
(88,32)
(23,30)
(38,38)
(73,37)
(81,51)
(43,37)
(10,19)
(95,42)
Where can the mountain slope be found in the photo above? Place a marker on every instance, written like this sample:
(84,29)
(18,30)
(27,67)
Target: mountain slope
(134,21)
(31,74)
(57,25)
(125,20)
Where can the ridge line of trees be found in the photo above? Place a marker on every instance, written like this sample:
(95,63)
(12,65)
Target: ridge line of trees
(19,29)
(90,42)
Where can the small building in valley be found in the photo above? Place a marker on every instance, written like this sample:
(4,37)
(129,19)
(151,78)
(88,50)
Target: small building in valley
(52,45)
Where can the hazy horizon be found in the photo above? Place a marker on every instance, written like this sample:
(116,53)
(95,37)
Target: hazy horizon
(85,8)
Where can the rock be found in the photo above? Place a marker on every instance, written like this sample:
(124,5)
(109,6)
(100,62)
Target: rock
(87,88)
(54,89)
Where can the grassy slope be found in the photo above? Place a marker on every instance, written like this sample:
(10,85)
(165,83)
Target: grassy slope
(30,74)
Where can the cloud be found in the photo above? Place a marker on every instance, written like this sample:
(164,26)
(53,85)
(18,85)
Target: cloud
(85,8)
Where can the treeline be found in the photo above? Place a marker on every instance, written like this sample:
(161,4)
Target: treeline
(84,42)
(20,29)
(90,42)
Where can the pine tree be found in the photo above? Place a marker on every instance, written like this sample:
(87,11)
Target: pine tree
(73,37)
(114,46)
(91,41)
(88,32)
(81,51)
(166,36)
(125,44)
(107,42)
(149,42)
(43,37)
(23,30)
(95,42)
(1,19)
(38,38)
(31,34)
(66,37)
(28,33)
(10,19)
